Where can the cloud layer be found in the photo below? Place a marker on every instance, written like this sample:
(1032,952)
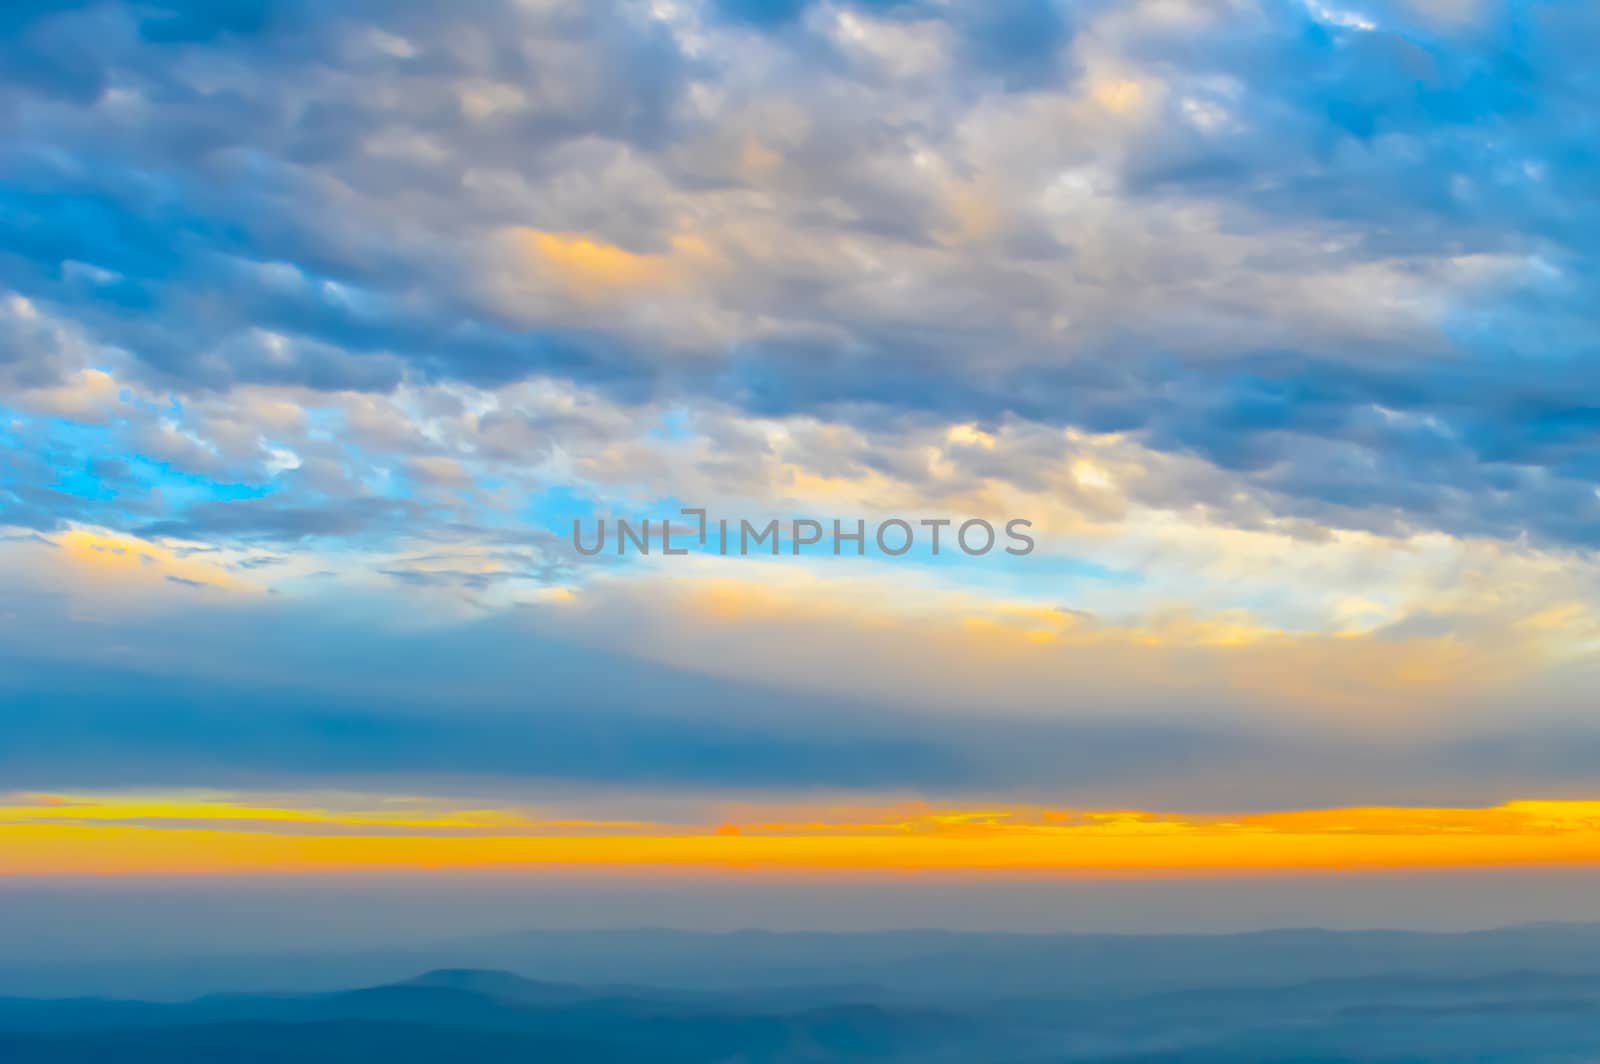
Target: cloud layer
(321,323)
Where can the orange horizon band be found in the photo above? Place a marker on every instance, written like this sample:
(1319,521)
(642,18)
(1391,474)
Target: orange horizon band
(122,836)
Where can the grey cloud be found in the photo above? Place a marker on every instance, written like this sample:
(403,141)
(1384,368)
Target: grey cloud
(284,695)
(1350,267)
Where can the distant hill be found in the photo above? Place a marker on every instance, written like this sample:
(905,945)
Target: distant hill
(908,966)
(499,984)
(497,1016)
(481,1016)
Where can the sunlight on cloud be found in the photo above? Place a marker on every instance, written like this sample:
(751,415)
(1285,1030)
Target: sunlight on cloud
(597,273)
(109,561)
(940,646)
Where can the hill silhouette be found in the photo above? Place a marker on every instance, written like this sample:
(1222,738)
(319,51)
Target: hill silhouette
(1400,1005)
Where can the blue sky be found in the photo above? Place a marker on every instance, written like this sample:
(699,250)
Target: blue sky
(321,322)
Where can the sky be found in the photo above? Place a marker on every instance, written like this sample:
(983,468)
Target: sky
(323,324)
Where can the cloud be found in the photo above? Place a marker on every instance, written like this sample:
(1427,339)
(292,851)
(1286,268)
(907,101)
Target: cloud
(1275,319)
(1287,252)
(451,673)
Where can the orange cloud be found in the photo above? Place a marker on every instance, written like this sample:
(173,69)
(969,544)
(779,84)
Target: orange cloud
(111,556)
(593,270)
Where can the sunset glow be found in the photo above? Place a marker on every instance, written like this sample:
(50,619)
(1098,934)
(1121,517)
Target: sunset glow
(44,835)
(1268,327)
